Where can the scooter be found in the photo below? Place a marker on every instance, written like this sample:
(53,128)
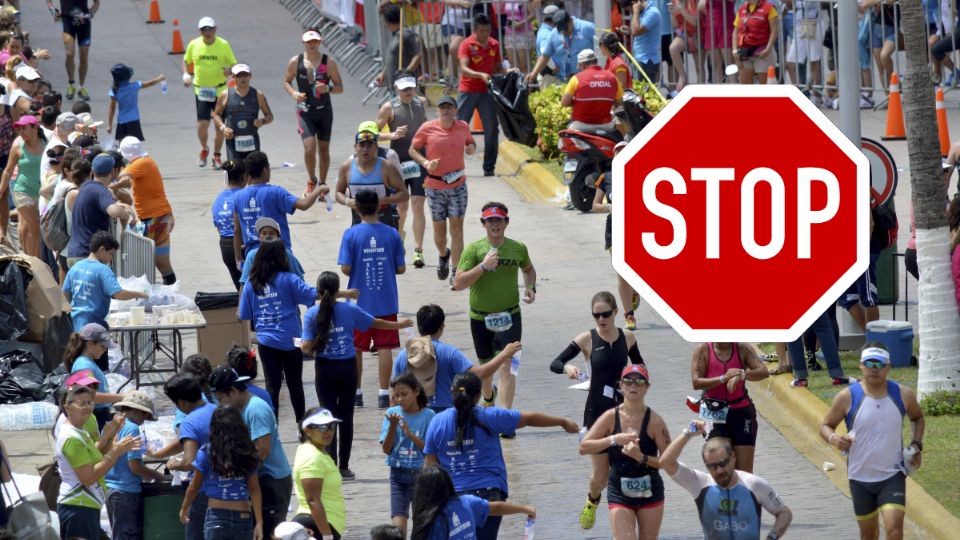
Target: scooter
(588,155)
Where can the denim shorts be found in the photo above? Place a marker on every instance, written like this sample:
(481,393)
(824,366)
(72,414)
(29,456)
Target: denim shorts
(221,524)
(401,490)
(125,511)
(881,33)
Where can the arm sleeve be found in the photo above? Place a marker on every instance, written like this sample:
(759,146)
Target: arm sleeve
(463,50)
(200,462)
(430,444)
(77,453)
(567,355)
(634,354)
(399,256)
(547,49)
(468,258)
(503,420)
(691,480)
(419,138)
(400,364)
(313,468)
(104,200)
(134,455)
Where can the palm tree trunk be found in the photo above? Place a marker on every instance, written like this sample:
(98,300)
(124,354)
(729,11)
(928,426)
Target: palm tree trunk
(938,315)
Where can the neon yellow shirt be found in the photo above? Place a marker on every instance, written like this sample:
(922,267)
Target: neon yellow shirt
(208,63)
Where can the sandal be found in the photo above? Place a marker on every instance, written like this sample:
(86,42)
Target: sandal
(781,369)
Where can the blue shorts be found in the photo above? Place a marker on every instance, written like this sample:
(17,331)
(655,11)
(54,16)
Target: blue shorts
(401,490)
(881,34)
(864,290)
(448,30)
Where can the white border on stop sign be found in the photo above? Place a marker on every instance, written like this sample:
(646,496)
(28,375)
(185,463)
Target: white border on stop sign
(820,305)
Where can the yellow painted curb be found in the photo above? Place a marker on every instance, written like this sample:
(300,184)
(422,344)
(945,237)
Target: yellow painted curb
(532,180)
(797,413)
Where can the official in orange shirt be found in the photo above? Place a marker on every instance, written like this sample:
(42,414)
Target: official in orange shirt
(592,93)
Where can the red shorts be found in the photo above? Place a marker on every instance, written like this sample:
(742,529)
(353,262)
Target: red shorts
(382,339)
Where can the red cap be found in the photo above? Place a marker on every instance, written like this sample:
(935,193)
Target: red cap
(494,212)
(82,378)
(636,368)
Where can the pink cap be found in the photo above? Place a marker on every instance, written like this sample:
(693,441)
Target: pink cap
(82,378)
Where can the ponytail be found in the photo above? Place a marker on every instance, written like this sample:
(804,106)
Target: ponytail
(466,394)
(72,351)
(432,490)
(328,284)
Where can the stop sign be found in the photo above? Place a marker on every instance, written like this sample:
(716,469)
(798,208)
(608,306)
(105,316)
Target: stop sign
(740,213)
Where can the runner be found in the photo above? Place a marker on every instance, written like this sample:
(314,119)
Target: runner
(317,77)
(721,371)
(633,436)
(877,463)
(209,57)
(445,139)
(489,268)
(728,500)
(404,114)
(236,114)
(366,171)
(606,349)
(77,17)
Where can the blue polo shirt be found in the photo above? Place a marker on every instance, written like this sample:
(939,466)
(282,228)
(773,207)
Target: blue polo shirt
(646,46)
(450,363)
(563,50)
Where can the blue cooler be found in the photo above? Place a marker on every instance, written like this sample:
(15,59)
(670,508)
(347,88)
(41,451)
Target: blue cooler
(897,336)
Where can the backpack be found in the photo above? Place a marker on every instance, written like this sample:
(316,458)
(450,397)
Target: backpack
(885,228)
(53,225)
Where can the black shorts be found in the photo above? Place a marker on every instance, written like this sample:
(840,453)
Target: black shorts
(204,109)
(608,233)
(128,129)
(596,405)
(387,215)
(232,147)
(415,185)
(486,342)
(872,497)
(615,496)
(665,48)
(740,427)
(315,123)
(80,32)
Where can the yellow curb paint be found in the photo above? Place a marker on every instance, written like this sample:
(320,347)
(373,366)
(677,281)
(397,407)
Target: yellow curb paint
(531,180)
(796,413)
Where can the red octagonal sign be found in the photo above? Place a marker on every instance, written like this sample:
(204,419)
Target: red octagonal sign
(741,213)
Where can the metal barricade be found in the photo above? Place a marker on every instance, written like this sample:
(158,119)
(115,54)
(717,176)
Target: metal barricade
(136,256)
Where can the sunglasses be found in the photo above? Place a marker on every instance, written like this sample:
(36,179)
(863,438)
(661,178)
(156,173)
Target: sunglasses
(603,314)
(873,364)
(717,465)
(241,75)
(322,428)
(633,381)
(494,220)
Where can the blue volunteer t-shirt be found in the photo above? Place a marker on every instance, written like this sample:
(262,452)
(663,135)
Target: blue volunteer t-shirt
(89,216)
(347,317)
(405,453)
(646,46)
(222,211)
(196,425)
(478,463)
(374,252)
(214,485)
(295,266)
(120,477)
(563,50)
(261,421)
(263,200)
(460,518)
(90,285)
(260,393)
(275,310)
(450,363)
(126,95)
(83,363)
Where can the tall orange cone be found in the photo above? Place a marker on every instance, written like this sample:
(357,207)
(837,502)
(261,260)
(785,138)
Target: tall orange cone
(942,127)
(154,13)
(895,129)
(772,75)
(477,125)
(177,46)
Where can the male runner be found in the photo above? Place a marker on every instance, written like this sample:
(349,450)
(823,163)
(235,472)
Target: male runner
(237,114)
(209,57)
(77,19)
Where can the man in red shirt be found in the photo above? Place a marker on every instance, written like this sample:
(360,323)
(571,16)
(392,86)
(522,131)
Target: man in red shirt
(479,60)
(592,93)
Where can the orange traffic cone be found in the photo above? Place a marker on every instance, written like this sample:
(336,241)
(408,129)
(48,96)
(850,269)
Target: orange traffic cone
(177,46)
(942,127)
(772,75)
(154,13)
(477,125)
(895,130)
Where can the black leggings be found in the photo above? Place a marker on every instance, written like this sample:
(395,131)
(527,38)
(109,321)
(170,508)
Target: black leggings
(336,383)
(230,259)
(291,364)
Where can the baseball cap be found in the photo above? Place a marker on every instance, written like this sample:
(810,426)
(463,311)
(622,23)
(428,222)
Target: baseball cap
(103,164)
(240,68)
(405,82)
(319,418)
(28,73)
(586,55)
(139,400)
(26,120)
(494,212)
(225,377)
(369,126)
(549,11)
(81,378)
(639,369)
(291,530)
(265,222)
(86,119)
(67,121)
(311,35)
(95,332)
(560,17)
(132,148)
(875,353)
(447,100)
(207,22)
(366,136)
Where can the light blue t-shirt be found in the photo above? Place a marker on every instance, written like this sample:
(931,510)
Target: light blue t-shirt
(347,317)
(214,485)
(478,463)
(646,46)
(563,50)
(263,200)
(261,421)
(90,285)
(450,363)
(128,109)
(86,363)
(275,310)
(405,453)
(120,477)
(664,7)
(374,253)
(295,266)
(460,518)
(222,211)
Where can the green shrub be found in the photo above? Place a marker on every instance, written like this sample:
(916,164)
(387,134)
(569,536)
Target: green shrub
(941,403)
(550,118)
(655,103)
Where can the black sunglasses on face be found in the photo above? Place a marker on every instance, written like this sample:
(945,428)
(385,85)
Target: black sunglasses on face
(717,465)
(322,428)
(603,314)
(634,381)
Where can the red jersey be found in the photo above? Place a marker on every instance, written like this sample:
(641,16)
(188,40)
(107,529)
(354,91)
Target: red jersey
(616,65)
(482,58)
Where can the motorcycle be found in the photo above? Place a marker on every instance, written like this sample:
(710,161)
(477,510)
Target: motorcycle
(588,155)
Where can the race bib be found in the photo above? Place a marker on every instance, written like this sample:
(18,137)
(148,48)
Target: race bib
(207,93)
(244,143)
(637,488)
(453,176)
(410,170)
(498,322)
(717,417)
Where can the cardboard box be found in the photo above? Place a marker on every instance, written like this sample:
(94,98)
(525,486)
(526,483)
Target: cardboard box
(222,332)
(45,300)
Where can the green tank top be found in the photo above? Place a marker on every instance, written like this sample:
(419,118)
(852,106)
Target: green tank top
(28,175)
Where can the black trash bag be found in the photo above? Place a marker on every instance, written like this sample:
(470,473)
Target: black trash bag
(635,110)
(56,334)
(210,301)
(21,380)
(510,94)
(53,382)
(13,301)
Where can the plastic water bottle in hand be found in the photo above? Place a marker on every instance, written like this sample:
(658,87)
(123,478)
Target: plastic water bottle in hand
(528,529)
(163,86)
(908,454)
(515,364)
(329,198)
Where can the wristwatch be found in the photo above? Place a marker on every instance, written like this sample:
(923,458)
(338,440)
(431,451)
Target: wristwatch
(772,535)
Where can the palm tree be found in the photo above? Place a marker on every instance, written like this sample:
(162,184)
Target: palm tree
(938,315)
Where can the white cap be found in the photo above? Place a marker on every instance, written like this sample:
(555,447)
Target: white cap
(311,35)
(405,82)
(291,530)
(28,73)
(131,148)
(240,68)
(586,55)
(319,418)
(207,21)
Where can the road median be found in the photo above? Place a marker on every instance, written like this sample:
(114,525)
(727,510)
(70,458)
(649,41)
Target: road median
(530,179)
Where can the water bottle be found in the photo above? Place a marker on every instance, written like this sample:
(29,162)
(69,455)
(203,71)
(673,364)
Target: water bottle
(908,454)
(528,531)
(329,197)
(163,86)
(583,433)
(140,228)
(583,377)
(515,364)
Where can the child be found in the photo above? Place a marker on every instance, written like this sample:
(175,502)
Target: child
(226,470)
(124,502)
(124,93)
(244,362)
(198,367)
(268,230)
(401,438)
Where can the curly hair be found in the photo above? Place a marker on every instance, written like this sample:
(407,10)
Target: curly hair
(232,453)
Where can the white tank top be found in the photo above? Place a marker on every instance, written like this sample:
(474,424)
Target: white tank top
(877,451)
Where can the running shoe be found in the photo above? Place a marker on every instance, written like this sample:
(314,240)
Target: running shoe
(83,94)
(347,475)
(202,160)
(588,516)
(865,102)
(71,91)
(311,183)
(443,267)
(631,321)
(635,302)
(358,400)
(418,258)
(383,402)
(489,172)
(798,383)
(217,162)
(492,400)
(843,381)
